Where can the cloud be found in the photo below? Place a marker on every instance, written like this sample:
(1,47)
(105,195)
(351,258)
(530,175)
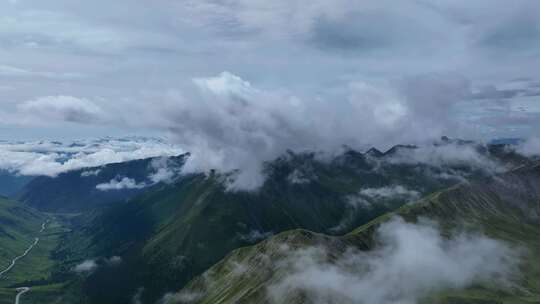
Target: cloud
(180,298)
(368,198)
(530,147)
(10,71)
(300,177)
(113,261)
(256,39)
(411,262)
(165,170)
(254,236)
(366,73)
(61,108)
(51,158)
(232,125)
(91,265)
(137,297)
(86,266)
(91,173)
(120,183)
(448,155)
(390,192)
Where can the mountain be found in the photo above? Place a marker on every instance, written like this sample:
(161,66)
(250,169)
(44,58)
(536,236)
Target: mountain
(84,189)
(505,208)
(11,183)
(173,232)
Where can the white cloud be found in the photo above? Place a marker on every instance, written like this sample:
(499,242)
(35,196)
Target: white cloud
(531,147)
(52,109)
(390,192)
(90,173)
(90,265)
(181,298)
(165,170)
(254,236)
(232,125)
(113,261)
(52,158)
(299,177)
(137,297)
(86,266)
(354,79)
(10,71)
(412,261)
(448,155)
(120,183)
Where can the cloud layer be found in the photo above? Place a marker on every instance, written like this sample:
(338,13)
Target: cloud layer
(51,158)
(120,183)
(233,125)
(411,262)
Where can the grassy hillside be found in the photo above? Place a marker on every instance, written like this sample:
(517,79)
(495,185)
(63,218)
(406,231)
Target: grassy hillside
(170,234)
(18,226)
(39,267)
(506,208)
(173,232)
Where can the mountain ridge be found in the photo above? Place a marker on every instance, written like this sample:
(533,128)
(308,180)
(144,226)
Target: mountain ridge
(488,205)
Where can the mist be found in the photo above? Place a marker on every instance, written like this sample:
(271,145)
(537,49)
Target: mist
(410,262)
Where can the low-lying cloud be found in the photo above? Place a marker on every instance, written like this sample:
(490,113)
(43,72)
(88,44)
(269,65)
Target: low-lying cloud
(52,158)
(91,265)
(91,173)
(448,156)
(164,170)
(120,183)
(52,110)
(530,147)
(390,192)
(411,261)
(230,124)
(86,266)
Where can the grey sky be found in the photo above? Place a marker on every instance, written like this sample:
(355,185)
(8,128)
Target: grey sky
(229,77)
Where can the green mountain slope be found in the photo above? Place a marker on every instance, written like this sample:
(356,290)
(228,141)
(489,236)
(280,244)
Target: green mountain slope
(172,233)
(18,226)
(506,208)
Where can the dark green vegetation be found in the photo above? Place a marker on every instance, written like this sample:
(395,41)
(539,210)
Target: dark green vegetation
(172,233)
(39,269)
(167,234)
(18,226)
(76,191)
(505,208)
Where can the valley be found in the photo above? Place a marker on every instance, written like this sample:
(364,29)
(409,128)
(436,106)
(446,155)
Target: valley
(26,279)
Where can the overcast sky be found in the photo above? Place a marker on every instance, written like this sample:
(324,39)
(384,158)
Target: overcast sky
(216,73)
